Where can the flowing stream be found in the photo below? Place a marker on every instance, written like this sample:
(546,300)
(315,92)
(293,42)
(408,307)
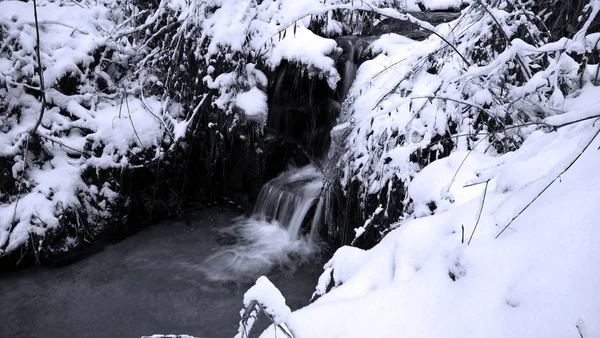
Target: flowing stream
(281,233)
(149,283)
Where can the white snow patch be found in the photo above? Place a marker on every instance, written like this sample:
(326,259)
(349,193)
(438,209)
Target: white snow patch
(253,104)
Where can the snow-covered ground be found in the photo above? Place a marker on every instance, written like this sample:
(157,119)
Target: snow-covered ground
(538,279)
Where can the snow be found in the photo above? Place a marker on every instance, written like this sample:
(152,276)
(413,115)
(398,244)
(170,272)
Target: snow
(253,104)
(314,51)
(270,298)
(539,279)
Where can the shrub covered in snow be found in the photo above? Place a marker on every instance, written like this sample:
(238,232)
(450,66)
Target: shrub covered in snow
(481,83)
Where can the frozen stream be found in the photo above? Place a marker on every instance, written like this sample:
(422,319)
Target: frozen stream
(148,283)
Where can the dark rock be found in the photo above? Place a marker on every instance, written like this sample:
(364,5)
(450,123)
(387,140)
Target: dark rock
(409,29)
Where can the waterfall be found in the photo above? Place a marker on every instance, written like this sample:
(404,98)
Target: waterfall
(351,58)
(281,232)
(283,229)
(289,198)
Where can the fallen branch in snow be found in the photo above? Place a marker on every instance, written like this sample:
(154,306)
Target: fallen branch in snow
(549,184)
(480,211)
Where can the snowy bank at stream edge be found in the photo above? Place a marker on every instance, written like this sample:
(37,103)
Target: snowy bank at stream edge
(538,279)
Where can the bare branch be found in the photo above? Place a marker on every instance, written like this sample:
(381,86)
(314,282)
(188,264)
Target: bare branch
(40,71)
(480,212)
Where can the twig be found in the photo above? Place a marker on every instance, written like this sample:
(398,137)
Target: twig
(465,159)
(480,212)
(131,121)
(549,184)
(51,22)
(434,97)
(133,17)
(579,330)
(528,124)
(256,307)
(574,121)
(40,70)
(60,143)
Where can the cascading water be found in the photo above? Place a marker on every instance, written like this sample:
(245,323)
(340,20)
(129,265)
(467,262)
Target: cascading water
(353,47)
(273,236)
(289,198)
(283,230)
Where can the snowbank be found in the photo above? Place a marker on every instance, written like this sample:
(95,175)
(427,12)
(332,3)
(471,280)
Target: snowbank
(538,279)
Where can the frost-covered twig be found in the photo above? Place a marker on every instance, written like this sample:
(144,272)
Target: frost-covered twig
(361,230)
(149,22)
(551,182)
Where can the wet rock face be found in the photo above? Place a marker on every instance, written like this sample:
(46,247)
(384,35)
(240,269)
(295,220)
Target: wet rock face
(302,109)
(408,29)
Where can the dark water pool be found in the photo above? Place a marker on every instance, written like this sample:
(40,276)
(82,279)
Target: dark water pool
(147,284)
